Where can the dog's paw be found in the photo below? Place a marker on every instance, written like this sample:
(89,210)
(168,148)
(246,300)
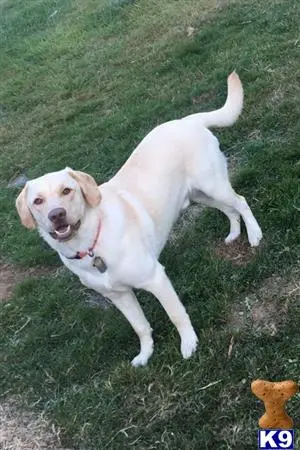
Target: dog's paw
(189,343)
(255,236)
(146,351)
(140,360)
(232,237)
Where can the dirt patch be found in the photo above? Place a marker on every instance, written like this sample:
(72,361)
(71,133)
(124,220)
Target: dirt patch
(204,98)
(25,430)
(255,135)
(265,311)
(237,252)
(11,275)
(278,95)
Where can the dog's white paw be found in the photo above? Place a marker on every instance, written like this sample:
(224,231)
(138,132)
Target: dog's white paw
(146,351)
(255,236)
(232,237)
(189,343)
(140,360)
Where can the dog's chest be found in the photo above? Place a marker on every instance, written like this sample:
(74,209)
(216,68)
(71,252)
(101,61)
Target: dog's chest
(97,273)
(99,280)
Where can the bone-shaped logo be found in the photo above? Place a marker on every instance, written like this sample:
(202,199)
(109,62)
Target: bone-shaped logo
(275,395)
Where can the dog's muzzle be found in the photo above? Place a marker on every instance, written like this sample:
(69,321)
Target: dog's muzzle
(63,230)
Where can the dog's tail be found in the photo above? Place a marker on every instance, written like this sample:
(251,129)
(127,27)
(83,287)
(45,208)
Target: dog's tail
(228,114)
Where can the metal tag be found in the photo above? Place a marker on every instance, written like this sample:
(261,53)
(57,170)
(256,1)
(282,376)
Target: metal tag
(99,264)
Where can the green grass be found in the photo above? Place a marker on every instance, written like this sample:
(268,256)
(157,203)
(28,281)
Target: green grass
(81,88)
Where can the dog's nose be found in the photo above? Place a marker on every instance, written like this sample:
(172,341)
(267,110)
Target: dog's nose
(57,214)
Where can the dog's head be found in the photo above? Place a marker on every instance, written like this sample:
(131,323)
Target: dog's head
(57,202)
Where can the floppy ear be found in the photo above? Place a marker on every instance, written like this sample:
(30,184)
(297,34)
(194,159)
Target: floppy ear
(23,210)
(88,186)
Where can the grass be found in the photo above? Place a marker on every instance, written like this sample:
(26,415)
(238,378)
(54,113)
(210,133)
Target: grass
(81,84)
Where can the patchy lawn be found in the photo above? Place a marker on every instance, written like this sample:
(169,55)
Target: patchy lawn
(23,430)
(80,84)
(11,275)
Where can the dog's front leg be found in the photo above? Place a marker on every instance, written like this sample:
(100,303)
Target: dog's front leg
(160,286)
(127,303)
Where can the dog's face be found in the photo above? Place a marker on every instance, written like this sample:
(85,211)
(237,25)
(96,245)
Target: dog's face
(57,202)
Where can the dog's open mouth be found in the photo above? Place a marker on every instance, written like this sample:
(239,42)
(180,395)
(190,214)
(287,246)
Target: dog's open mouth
(65,231)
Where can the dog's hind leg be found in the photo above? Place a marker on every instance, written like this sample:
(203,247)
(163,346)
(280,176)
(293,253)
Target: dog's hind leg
(234,205)
(233,216)
(209,175)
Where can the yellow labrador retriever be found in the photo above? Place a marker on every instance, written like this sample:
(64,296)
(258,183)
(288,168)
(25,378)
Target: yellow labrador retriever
(111,236)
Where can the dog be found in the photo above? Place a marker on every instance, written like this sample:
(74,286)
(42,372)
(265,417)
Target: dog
(111,236)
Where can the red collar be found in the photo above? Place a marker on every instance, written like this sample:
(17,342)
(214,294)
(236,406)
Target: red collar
(90,251)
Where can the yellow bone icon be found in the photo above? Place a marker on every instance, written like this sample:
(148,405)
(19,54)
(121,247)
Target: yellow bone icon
(275,395)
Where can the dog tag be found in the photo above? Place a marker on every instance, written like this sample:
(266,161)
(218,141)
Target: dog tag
(99,264)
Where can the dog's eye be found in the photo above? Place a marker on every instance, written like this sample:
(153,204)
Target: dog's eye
(66,191)
(38,201)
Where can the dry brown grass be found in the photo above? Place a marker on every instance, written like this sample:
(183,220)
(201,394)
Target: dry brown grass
(26,430)
(266,309)
(239,252)
(10,275)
